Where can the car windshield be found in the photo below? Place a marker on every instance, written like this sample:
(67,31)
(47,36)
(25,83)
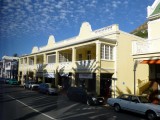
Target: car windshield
(32,82)
(143,99)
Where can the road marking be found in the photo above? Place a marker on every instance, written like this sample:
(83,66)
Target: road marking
(32,108)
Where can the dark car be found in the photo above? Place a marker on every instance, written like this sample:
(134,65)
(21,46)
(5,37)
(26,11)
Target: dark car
(13,82)
(81,95)
(2,80)
(6,80)
(47,88)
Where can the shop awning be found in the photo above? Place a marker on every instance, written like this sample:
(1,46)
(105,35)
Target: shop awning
(49,75)
(150,62)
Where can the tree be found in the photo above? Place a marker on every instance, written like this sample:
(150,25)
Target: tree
(15,55)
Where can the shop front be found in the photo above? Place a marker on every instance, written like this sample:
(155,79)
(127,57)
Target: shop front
(87,81)
(64,80)
(154,78)
(49,77)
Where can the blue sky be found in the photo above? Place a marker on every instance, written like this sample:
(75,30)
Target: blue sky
(28,23)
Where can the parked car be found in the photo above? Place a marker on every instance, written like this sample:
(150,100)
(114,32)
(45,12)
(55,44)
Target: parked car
(81,95)
(47,88)
(6,80)
(2,80)
(13,82)
(30,84)
(137,104)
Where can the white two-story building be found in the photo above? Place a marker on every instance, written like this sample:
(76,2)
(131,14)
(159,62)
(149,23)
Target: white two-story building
(9,67)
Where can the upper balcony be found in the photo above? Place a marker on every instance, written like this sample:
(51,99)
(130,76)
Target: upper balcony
(146,47)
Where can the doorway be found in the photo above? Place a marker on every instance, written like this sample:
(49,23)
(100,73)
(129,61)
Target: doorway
(105,85)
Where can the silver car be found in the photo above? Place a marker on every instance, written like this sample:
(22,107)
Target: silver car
(30,84)
(137,104)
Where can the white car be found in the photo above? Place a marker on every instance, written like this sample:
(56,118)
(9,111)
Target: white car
(137,104)
(32,85)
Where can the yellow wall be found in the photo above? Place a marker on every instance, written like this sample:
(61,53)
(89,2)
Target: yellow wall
(109,65)
(125,64)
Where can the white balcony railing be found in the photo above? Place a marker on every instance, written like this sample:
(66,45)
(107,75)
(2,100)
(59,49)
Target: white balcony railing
(31,67)
(146,46)
(8,68)
(86,64)
(39,67)
(65,66)
(49,66)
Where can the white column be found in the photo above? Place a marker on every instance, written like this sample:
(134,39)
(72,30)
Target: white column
(73,66)
(56,70)
(44,64)
(98,69)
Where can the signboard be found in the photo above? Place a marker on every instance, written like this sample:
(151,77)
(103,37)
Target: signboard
(86,76)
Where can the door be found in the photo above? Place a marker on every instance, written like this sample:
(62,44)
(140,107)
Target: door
(105,85)
(136,106)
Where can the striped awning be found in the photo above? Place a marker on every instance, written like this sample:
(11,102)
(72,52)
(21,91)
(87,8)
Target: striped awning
(150,62)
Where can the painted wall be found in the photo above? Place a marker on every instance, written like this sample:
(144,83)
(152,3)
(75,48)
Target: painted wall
(153,29)
(125,64)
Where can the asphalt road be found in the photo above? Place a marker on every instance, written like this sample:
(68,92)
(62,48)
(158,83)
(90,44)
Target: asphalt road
(19,104)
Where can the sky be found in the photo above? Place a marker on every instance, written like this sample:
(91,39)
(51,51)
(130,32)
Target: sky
(28,23)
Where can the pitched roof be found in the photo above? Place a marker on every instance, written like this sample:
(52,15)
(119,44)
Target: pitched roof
(157,10)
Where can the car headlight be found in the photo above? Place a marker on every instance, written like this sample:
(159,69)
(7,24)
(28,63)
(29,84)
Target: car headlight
(94,99)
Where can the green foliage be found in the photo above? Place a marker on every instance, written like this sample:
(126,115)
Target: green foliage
(142,34)
(15,55)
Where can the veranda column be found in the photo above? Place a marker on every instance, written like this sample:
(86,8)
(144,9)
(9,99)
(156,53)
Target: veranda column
(19,65)
(98,70)
(27,71)
(44,65)
(56,68)
(73,66)
(35,66)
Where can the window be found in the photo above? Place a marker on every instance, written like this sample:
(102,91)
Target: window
(107,52)
(65,57)
(51,58)
(80,57)
(31,61)
(88,55)
(125,97)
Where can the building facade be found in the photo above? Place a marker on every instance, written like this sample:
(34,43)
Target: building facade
(147,52)
(1,69)
(9,67)
(98,60)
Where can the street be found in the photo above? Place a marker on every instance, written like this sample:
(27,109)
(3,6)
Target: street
(16,103)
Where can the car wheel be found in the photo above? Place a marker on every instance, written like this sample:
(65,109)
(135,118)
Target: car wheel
(88,102)
(151,115)
(47,92)
(117,108)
